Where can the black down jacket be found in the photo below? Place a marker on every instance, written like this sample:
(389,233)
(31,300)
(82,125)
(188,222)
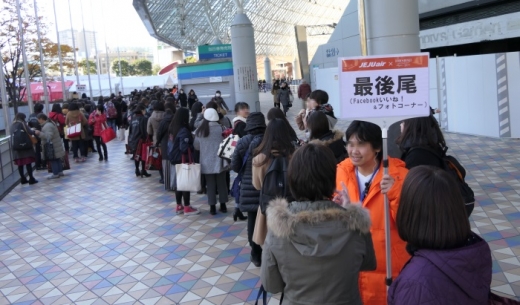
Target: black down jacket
(249,196)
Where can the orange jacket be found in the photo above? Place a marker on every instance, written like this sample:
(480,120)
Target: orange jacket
(372,284)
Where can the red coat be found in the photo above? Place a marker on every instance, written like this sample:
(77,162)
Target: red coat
(59,120)
(372,283)
(99,122)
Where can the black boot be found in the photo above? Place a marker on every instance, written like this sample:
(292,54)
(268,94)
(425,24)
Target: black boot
(145,174)
(223,208)
(137,173)
(238,215)
(32,181)
(213,210)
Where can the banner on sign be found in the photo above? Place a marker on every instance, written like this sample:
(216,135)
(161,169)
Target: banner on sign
(378,87)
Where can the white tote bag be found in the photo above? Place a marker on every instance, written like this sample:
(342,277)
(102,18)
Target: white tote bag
(188,177)
(74,131)
(121,134)
(227,147)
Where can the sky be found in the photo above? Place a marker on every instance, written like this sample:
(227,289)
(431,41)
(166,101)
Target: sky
(116,20)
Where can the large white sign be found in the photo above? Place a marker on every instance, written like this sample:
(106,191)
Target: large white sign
(377,88)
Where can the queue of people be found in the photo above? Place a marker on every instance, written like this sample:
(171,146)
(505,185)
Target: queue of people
(315,213)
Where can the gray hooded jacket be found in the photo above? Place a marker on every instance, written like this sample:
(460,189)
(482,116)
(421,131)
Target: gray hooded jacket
(314,252)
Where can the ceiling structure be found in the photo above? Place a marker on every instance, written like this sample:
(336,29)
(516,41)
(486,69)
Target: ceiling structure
(185,24)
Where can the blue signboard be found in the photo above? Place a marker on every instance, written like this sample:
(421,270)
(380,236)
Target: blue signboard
(215,51)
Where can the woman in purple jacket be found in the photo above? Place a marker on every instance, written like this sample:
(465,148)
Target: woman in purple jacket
(450,264)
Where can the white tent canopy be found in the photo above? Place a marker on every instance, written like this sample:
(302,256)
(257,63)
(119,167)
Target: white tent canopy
(129,84)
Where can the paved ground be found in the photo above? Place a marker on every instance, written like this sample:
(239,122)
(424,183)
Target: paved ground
(102,236)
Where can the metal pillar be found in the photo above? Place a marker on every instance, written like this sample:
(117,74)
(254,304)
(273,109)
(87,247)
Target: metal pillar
(5,100)
(24,56)
(267,71)
(63,87)
(74,46)
(96,49)
(296,71)
(244,60)
(106,50)
(86,51)
(42,66)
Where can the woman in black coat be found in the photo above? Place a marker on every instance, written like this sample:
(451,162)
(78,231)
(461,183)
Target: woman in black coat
(138,134)
(162,137)
(183,98)
(23,156)
(255,128)
(192,98)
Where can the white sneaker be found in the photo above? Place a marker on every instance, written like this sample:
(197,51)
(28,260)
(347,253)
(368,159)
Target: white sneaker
(53,177)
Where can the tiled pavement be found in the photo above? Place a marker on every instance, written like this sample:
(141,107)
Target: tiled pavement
(102,236)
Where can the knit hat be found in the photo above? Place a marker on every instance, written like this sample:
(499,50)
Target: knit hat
(255,120)
(211,115)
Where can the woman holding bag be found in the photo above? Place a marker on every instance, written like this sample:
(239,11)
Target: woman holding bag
(75,117)
(207,139)
(137,135)
(98,121)
(182,148)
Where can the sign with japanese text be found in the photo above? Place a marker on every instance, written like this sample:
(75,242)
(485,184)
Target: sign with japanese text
(376,87)
(215,51)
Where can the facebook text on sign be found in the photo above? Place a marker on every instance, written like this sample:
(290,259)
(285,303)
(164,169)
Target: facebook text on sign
(384,86)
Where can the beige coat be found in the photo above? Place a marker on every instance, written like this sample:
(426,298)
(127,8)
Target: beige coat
(74,117)
(153,124)
(51,133)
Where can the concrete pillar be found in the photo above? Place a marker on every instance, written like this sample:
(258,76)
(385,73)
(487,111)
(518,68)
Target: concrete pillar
(216,41)
(303,52)
(392,28)
(296,69)
(244,61)
(267,71)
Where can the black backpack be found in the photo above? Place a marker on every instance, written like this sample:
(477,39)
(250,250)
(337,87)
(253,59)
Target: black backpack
(33,122)
(453,166)
(275,182)
(21,139)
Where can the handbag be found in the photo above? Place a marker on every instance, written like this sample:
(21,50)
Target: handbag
(154,160)
(260,231)
(64,163)
(188,175)
(144,148)
(65,132)
(48,150)
(227,147)
(74,131)
(107,134)
(235,188)
(121,134)
(499,300)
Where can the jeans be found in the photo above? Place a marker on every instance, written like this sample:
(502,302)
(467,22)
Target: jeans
(112,124)
(214,181)
(56,166)
(79,145)
(256,250)
(99,144)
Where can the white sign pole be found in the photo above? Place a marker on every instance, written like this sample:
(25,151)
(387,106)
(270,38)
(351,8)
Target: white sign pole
(384,90)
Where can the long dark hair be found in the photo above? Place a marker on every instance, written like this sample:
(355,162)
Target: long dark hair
(421,132)
(318,125)
(431,212)
(277,113)
(180,120)
(196,108)
(277,137)
(203,130)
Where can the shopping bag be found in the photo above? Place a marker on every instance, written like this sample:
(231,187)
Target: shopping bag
(188,175)
(154,160)
(64,163)
(144,149)
(260,231)
(173,178)
(107,134)
(121,134)
(74,131)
